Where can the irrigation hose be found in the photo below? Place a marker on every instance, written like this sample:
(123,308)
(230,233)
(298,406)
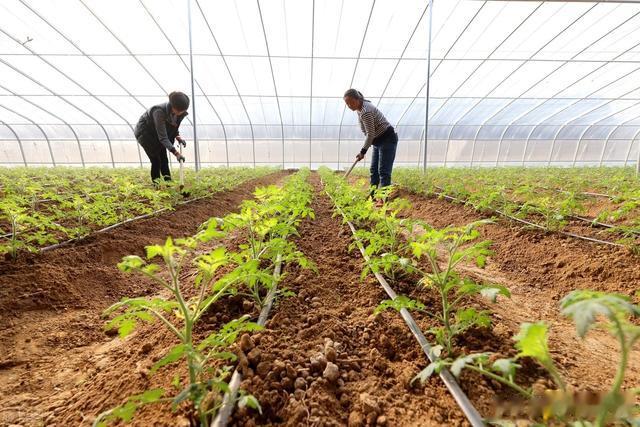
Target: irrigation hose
(531,224)
(591,221)
(472,414)
(229,400)
(102,230)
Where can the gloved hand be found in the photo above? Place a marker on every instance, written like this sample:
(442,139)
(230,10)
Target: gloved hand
(181,141)
(180,157)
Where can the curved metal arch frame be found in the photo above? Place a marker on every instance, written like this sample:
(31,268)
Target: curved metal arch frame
(235,86)
(85,55)
(46,137)
(626,159)
(77,84)
(567,122)
(606,141)
(524,153)
(224,130)
(512,101)
(313,28)
(413,99)
(541,123)
(495,87)
(24,158)
(75,135)
(581,138)
(62,98)
(273,79)
(475,15)
(353,76)
(406,46)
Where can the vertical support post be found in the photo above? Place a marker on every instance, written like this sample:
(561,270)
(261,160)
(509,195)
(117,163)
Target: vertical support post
(473,150)
(553,146)
(637,162)
(626,159)
(604,150)
(196,148)
(313,21)
(575,154)
(426,96)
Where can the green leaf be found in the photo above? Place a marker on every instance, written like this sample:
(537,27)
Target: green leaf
(491,292)
(507,367)
(130,263)
(149,396)
(126,326)
(251,402)
(173,355)
(585,306)
(459,364)
(481,261)
(426,373)
(154,251)
(400,302)
(532,341)
(176,381)
(435,352)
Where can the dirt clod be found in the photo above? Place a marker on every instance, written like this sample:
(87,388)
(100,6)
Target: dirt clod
(331,372)
(356,419)
(300,383)
(246,343)
(254,356)
(369,404)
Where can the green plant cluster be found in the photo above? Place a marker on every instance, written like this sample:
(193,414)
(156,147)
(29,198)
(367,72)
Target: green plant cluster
(444,250)
(399,246)
(548,197)
(44,206)
(265,225)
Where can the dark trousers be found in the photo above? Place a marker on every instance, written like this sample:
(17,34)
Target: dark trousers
(384,153)
(159,162)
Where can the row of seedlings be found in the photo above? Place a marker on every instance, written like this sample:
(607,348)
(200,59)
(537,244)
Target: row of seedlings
(34,214)
(551,208)
(432,258)
(265,226)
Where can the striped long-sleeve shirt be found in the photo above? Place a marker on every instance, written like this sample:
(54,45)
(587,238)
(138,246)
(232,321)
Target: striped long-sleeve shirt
(372,122)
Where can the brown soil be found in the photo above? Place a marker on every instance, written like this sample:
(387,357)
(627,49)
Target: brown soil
(376,356)
(50,306)
(539,269)
(61,369)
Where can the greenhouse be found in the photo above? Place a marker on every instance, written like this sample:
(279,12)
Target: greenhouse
(331,212)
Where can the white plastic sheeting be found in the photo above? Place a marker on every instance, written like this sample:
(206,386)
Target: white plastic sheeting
(512,82)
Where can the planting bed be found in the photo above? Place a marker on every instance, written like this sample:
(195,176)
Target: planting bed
(540,268)
(326,357)
(51,305)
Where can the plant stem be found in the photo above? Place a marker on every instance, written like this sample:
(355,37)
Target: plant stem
(167,323)
(611,400)
(501,380)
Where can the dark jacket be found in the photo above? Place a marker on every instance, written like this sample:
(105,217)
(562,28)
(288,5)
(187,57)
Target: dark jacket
(157,128)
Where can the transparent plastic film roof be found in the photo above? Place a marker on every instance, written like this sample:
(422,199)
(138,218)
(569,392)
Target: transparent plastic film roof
(510,82)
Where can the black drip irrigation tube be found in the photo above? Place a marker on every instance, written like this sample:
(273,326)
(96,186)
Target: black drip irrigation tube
(531,224)
(111,227)
(229,400)
(469,411)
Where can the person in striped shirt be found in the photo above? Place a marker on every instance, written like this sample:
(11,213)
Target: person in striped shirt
(379,134)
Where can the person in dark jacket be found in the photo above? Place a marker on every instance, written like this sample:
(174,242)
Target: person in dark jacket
(378,133)
(158,129)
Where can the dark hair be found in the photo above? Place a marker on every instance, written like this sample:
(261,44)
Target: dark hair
(179,101)
(355,94)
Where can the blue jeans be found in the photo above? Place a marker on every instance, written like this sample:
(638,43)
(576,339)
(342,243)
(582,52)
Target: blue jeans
(384,153)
